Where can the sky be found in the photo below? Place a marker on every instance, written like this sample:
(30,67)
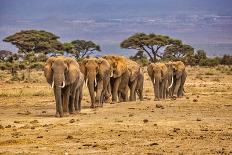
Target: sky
(203,24)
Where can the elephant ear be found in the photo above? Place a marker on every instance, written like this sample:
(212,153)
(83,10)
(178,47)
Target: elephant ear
(48,73)
(82,67)
(150,70)
(104,66)
(164,71)
(73,71)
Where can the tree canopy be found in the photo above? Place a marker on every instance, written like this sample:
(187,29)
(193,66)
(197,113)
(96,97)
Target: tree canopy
(34,40)
(149,43)
(81,48)
(178,51)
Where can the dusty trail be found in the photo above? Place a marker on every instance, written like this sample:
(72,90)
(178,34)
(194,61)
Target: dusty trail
(200,122)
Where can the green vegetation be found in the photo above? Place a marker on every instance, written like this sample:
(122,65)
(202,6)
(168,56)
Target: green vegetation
(34,46)
(81,48)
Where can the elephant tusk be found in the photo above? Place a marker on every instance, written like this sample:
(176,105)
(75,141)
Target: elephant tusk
(111,74)
(86,82)
(63,84)
(52,84)
(154,80)
(171,83)
(95,82)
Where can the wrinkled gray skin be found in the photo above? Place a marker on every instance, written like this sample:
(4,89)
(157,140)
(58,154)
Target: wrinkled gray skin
(97,74)
(176,79)
(159,77)
(123,88)
(76,94)
(179,81)
(139,86)
(64,76)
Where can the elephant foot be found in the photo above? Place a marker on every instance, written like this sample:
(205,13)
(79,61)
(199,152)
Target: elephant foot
(92,106)
(156,99)
(66,114)
(57,114)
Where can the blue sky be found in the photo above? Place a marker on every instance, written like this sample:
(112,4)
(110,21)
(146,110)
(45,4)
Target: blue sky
(107,22)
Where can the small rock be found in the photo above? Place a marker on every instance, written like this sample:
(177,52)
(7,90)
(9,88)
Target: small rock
(71,120)
(44,112)
(195,100)
(198,96)
(8,126)
(198,119)
(152,144)
(1,127)
(187,97)
(159,106)
(69,137)
(34,121)
(130,115)
(16,122)
(40,137)
(145,121)
(155,124)
(32,127)
(176,129)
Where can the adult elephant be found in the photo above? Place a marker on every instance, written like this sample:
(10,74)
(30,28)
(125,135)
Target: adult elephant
(139,85)
(134,77)
(158,74)
(97,75)
(120,74)
(179,77)
(64,76)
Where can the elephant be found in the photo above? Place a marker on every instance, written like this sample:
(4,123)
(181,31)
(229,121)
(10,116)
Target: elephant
(169,86)
(158,74)
(97,74)
(134,72)
(179,78)
(119,70)
(64,76)
(139,85)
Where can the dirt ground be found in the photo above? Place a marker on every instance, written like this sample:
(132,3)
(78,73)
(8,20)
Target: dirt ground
(199,123)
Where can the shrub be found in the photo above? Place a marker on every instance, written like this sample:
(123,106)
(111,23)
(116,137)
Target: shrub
(211,62)
(36,65)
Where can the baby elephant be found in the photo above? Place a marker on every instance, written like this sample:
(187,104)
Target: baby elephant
(65,77)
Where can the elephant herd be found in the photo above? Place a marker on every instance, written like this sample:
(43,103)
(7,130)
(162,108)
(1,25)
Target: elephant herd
(110,78)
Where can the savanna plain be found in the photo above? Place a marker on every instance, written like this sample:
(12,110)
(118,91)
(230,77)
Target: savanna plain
(198,123)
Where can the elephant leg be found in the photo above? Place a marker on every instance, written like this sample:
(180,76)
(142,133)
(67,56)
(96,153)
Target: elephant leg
(77,99)
(177,86)
(99,92)
(66,100)
(181,89)
(71,103)
(80,98)
(115,89)
(127,94)
(58,98)
(132,90)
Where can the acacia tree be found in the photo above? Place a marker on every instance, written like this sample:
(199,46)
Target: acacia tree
(178,51)
(149,43)
(30,42)
(81,48)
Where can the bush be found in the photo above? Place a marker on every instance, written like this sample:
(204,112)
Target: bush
(226,60)
(37,65)
(211,62)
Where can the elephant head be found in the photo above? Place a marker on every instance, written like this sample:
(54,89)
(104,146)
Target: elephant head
(60,72)
(133,68)
(118,65)
(94,69)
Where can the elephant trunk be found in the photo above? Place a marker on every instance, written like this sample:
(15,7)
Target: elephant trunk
(91,84)
(58,83)
(156,87)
